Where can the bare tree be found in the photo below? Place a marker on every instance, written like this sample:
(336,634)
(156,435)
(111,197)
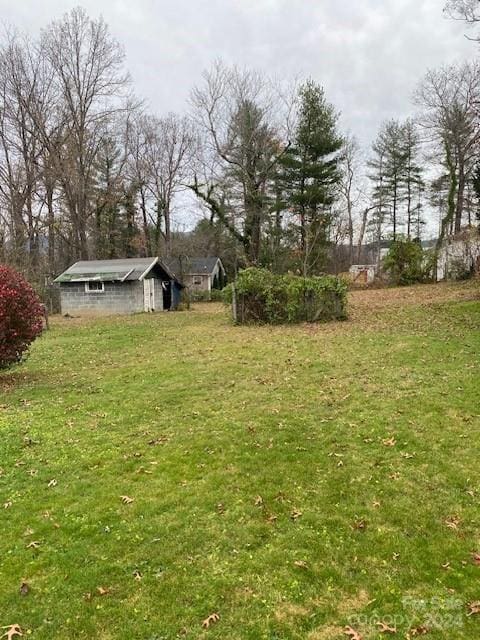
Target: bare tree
(90,84)
(349,189)
(169,152)
(450,98)
(235,112)
(21,149)
(466,10)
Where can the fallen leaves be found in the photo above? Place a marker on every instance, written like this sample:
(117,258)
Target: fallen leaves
(452,522)
(34,544)
(24,589)
(11,631)
(383,627)
(354,635)
(52,483)
(389,442)
(476,558)
(295,514)
(103,591)
(157,441)
(212,619)
(301,564)
(473,608)
(126,499)
(421,630)
(258,502)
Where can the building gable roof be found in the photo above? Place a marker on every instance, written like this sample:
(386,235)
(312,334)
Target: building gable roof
(121,270)
(193,266)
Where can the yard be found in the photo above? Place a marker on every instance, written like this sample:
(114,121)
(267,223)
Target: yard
(297,482)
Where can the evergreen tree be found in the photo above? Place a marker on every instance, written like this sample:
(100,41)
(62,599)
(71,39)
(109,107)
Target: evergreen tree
(310,169)
(107,198)
(397,178)
(412,178)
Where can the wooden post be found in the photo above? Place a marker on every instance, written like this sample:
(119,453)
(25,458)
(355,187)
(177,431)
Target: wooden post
(45,316)
(234,304)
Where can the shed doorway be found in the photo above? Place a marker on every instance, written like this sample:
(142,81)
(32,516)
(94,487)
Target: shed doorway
(149,295)
(167,295)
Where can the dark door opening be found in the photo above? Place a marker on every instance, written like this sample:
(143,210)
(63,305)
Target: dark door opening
(167,295)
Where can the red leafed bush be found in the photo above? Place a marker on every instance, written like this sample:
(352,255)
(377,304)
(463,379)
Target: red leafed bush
(21,316)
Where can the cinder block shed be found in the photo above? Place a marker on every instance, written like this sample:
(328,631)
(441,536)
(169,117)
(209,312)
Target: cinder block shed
(129,285)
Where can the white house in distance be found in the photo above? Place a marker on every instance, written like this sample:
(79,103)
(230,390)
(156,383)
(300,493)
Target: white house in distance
(200,275)
(459,255)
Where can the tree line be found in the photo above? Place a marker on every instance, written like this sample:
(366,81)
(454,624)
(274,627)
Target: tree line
(87,172)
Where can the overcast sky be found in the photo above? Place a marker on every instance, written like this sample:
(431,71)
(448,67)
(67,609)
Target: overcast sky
(368,54)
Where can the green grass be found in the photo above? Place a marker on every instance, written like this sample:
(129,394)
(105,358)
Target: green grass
(221,435)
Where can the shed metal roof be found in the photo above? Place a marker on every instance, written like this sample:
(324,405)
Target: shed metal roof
(120,270)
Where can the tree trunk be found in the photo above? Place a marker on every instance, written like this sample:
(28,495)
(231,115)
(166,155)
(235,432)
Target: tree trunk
(460,195)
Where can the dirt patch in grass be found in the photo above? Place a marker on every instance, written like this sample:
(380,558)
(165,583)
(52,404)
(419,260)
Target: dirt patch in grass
(287,611)
(353,603)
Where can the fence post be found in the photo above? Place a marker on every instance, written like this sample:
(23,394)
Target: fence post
(234,304)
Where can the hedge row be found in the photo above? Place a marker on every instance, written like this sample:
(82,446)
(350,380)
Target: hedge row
(259,296)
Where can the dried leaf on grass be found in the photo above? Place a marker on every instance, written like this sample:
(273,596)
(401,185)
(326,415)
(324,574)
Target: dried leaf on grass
(126,499)
(421,630)
(12,630)
(354,635)
(473,608)
(452,522)
(360,525)
(389,442)
(385,628)
(212,618)
(34,544)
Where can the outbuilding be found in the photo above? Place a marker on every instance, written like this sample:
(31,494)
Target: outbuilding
(459,257)
(200,275)
(129,285)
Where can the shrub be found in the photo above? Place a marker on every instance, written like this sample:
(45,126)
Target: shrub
(215,295)
(264,297)
(21,316)
(404,262)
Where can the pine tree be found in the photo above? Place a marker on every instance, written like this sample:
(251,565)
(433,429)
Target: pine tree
(412,178)
(397,178)
(311,173)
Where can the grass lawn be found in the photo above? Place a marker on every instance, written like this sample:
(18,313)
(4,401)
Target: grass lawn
(293,480)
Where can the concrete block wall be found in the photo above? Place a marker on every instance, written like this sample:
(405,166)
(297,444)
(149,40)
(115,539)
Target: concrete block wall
(118,297)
